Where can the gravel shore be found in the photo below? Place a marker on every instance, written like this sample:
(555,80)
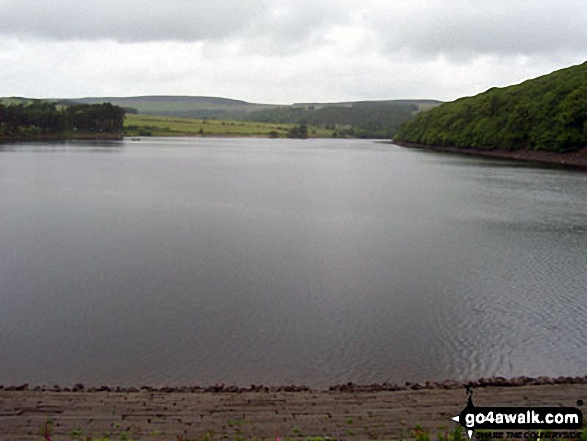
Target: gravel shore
(342,412)
(576,160)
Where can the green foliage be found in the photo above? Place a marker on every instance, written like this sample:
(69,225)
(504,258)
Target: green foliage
(96,117)
(75,434)
(418,433)
(297,431)
(145,132)
(300,132)
(547,113)
(457,435)
(421,434)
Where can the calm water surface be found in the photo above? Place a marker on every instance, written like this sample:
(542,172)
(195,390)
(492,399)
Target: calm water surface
(196,261)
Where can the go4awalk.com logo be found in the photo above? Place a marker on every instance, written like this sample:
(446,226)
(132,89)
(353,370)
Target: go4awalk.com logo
(521,422)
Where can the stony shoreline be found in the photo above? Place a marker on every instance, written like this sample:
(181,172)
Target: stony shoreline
(346,387)
(343,413)
(576,160)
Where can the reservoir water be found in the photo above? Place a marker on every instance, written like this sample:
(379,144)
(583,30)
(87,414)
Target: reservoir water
(238,261)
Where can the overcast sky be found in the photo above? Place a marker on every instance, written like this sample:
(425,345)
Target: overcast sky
(282,51)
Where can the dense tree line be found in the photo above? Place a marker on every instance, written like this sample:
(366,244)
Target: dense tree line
(42,117)
(364,121)
(299,132)
(547,113)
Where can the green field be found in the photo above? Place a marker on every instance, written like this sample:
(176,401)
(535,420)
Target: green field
(151,125)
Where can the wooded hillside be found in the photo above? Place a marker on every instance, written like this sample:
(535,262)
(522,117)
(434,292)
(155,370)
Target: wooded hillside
(546,113)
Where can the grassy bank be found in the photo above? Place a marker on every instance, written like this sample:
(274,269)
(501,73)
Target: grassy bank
(152,125)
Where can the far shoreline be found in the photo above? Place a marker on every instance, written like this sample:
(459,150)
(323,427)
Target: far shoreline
(574,160)
(105,136)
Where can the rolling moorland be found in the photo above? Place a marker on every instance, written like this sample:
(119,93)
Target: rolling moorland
(545,114)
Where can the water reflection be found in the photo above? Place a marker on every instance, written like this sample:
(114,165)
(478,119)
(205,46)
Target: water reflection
(63,146)
(183,261)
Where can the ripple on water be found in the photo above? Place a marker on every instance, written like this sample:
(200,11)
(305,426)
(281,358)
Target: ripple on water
(270,261)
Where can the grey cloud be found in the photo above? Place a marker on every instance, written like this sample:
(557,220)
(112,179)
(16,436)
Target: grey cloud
(171,20)
(289,27)
(130,20)
(466,28)
(459,29)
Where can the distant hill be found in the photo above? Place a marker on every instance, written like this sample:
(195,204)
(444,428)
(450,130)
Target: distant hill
(420,104)
(547,113)
(16,100)
(182,106)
